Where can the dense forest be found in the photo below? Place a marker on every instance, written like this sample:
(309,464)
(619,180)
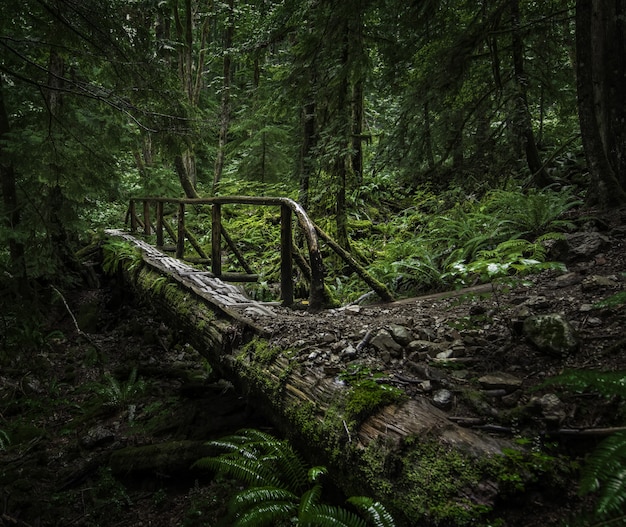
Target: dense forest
(440,144)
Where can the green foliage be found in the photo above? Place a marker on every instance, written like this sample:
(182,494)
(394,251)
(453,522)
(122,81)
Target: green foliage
(517,256)
(604,473)
(616,300)
(535,212)
(116,394)
(4,440)
(607,384)
(119,252)
(368,392)
(281,491)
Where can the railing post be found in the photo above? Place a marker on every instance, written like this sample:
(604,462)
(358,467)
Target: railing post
(133,216)
(216,239)
(146,217)
(180,243)
(286,263)
(159,224)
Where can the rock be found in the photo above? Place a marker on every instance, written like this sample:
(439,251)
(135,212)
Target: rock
(97,436)
(448,354)
(551,333)
(585,244)
(500,381)
(594,282)
(538,302)
(384,343)
(443,399)
(349,352)
(352,310)
(400,334)
(425,346)
(551,407)
(567,279)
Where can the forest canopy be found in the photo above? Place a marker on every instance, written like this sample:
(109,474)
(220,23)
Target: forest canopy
(357,109)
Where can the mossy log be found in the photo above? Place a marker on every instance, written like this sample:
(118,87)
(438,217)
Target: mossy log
(408,454)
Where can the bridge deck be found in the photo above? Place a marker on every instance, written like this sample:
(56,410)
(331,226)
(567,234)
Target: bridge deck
(229,299)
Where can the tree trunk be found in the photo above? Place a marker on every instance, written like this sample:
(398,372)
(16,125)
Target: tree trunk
(306,406)
(11,206)
(307,152)
(600,104)
(522,114)
(225,104)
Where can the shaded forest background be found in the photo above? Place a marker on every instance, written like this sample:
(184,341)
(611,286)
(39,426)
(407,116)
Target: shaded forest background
(360,110)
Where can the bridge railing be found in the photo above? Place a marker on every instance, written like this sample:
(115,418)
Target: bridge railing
(288,208)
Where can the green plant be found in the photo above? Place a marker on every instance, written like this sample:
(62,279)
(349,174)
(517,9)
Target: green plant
(281,490)
(616,300)
(368,391)
(4,440)
(118,394)
(604,472)
(535,212)
(116,252)
(516,256)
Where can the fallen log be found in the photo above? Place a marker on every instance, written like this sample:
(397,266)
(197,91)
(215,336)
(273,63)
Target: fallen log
(404,452)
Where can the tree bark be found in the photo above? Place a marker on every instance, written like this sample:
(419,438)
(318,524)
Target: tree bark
(12,217)
(225,103)
(522,114)
(600,91)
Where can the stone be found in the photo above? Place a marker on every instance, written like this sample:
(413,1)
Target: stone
(585,244)
(593,282)
(425,346)
(443,399)
(97,436)
(384,343)
(551,407)
(552,334)
(400,334)
(500,381)
(538,302)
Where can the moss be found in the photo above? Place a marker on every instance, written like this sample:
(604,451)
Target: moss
(325,428)
(425,481)
(261,351)
(365,398)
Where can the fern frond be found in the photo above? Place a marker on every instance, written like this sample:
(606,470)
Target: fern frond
(265,514)
(613,493)
(374,511)
(604,383)
(249,471)
(249,498)
(604,461)
(330,516)
(309,500)
(316,472)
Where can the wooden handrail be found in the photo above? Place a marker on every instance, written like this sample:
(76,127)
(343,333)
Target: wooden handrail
(288,208)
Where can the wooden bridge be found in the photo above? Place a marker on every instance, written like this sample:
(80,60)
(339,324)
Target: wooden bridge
(308,405)
(147,214)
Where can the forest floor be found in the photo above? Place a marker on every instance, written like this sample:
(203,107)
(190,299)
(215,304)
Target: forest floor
(71,399)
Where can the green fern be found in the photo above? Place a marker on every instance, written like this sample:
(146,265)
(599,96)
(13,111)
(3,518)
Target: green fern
(616,300)
(117,252)
(535,212)
(607,384)
(604,472)
(377,515)
(4,440)
(276,477)
(117,394)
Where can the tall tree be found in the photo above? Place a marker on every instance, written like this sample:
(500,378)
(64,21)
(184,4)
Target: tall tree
(601,82)
(523,119)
